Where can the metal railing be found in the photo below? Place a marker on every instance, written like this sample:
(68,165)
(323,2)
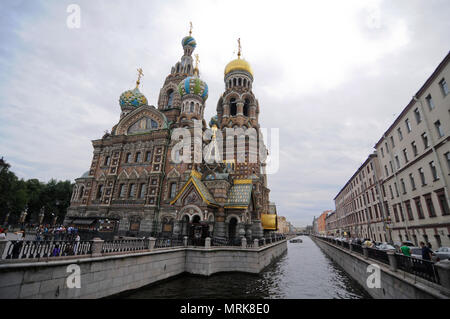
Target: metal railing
(21,249)
(225,242)
(124,245)
(419,267)
(168,242)
(379,255)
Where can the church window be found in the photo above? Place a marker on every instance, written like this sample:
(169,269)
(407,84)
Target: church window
(148,156)
(128,158)
(234,82)
(192,107)
(138,157)
(173,189)
(144,124)
(246,107)
(233,107)
(100,191)
(132,190)
(121,190)
(189,68)
(240,82)
(107,160)
(81,192)
(142,190)
(245,82)
(169,98)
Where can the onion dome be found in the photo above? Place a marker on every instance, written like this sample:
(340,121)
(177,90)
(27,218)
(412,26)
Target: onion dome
(189,41)
(238,65)
(193,85)
(214,121)
(132,98)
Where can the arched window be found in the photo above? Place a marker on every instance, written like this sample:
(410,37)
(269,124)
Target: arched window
(169,98)
(192,107)
(197,108)
(234,81)
(189,68)
(240,82)
(245,82)
(178,68)
(229,84)
(100,191)
(233,107)
(246,107)
(80,194)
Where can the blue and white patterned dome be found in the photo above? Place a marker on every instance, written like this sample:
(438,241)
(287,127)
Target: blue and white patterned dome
(193,85)
(188,40)
(132,98)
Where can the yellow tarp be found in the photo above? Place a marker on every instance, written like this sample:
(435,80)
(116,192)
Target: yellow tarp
(269,221)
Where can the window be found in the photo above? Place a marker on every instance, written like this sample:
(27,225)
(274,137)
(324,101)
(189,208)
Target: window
(422,176)
(100,191)
(403,185)
(387,147)
(400,135)
(396,213)
(81,192)
(430,206)
(409,210)
(418,116)
(138,157)
(405,155)
(142,190)
(107,160)
(390,190)
(121,190)
(392,142)
(169,98)
(396,189)
(382,152)
(443,202)
(438,127)
(192,107)
(392,167)
(411,179)
(408,125)
(173,190)
(425,140)
(397,161)
(419,208)
(132,191)
(128,158)
(414,147)
(233,107)
(148,156)
(444,87)
(386,170)
(447,157)
(430,102)
(433,171)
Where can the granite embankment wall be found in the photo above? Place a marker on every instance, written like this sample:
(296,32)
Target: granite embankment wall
(111,274)
(393,284)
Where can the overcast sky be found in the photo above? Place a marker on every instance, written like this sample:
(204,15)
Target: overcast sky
(331,75)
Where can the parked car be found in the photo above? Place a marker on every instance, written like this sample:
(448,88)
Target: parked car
(441,253)
(416,252)
(385,246)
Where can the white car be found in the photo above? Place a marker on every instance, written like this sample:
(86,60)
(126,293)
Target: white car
(441,253)
(385,246)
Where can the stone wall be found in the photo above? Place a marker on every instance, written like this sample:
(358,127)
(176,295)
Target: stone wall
(393,285)
(108,275)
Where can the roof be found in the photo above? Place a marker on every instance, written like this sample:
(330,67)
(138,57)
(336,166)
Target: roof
(269,221)
(240,194)
(199,186)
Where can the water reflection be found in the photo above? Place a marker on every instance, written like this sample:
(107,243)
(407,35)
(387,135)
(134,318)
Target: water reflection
(303,272)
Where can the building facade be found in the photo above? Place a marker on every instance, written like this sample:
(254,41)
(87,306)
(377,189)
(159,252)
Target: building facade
(400,193)
(414,156)
(140,183)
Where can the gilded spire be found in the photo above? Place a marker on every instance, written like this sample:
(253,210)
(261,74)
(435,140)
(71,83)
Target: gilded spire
(239,48)
(140,73)
(197,60)
(190,28)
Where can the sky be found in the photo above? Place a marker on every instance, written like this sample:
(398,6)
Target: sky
(330,75)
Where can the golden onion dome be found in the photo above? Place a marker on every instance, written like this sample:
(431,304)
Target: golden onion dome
(238,64)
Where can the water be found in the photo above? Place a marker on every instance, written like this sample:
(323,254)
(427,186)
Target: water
(304,272)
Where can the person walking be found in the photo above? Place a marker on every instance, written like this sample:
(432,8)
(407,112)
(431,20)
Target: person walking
(77,243)
(427,253)
(406,250)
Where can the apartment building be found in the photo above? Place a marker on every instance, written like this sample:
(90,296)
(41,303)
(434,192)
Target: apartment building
(414,158)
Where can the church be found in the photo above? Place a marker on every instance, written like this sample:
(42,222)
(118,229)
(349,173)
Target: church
(136,184)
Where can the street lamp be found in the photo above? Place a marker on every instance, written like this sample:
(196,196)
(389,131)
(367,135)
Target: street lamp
(41,215)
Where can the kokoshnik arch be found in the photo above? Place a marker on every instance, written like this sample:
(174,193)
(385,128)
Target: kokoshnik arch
(135,188)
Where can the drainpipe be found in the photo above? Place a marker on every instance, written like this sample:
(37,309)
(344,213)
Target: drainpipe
(436,157)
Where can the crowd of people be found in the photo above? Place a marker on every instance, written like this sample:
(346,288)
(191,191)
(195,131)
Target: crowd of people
(61,232)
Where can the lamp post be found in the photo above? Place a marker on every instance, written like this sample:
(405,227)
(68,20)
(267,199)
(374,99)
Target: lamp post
(54,219)
(23,215)
(41,215)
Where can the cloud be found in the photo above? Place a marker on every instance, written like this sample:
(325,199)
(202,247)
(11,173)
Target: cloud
(330,75)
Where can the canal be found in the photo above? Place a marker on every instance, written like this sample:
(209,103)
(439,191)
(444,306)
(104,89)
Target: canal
(303,272)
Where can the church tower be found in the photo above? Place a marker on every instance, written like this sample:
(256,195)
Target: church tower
(169,101)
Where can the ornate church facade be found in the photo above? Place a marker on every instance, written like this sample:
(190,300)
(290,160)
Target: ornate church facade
(136,186)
